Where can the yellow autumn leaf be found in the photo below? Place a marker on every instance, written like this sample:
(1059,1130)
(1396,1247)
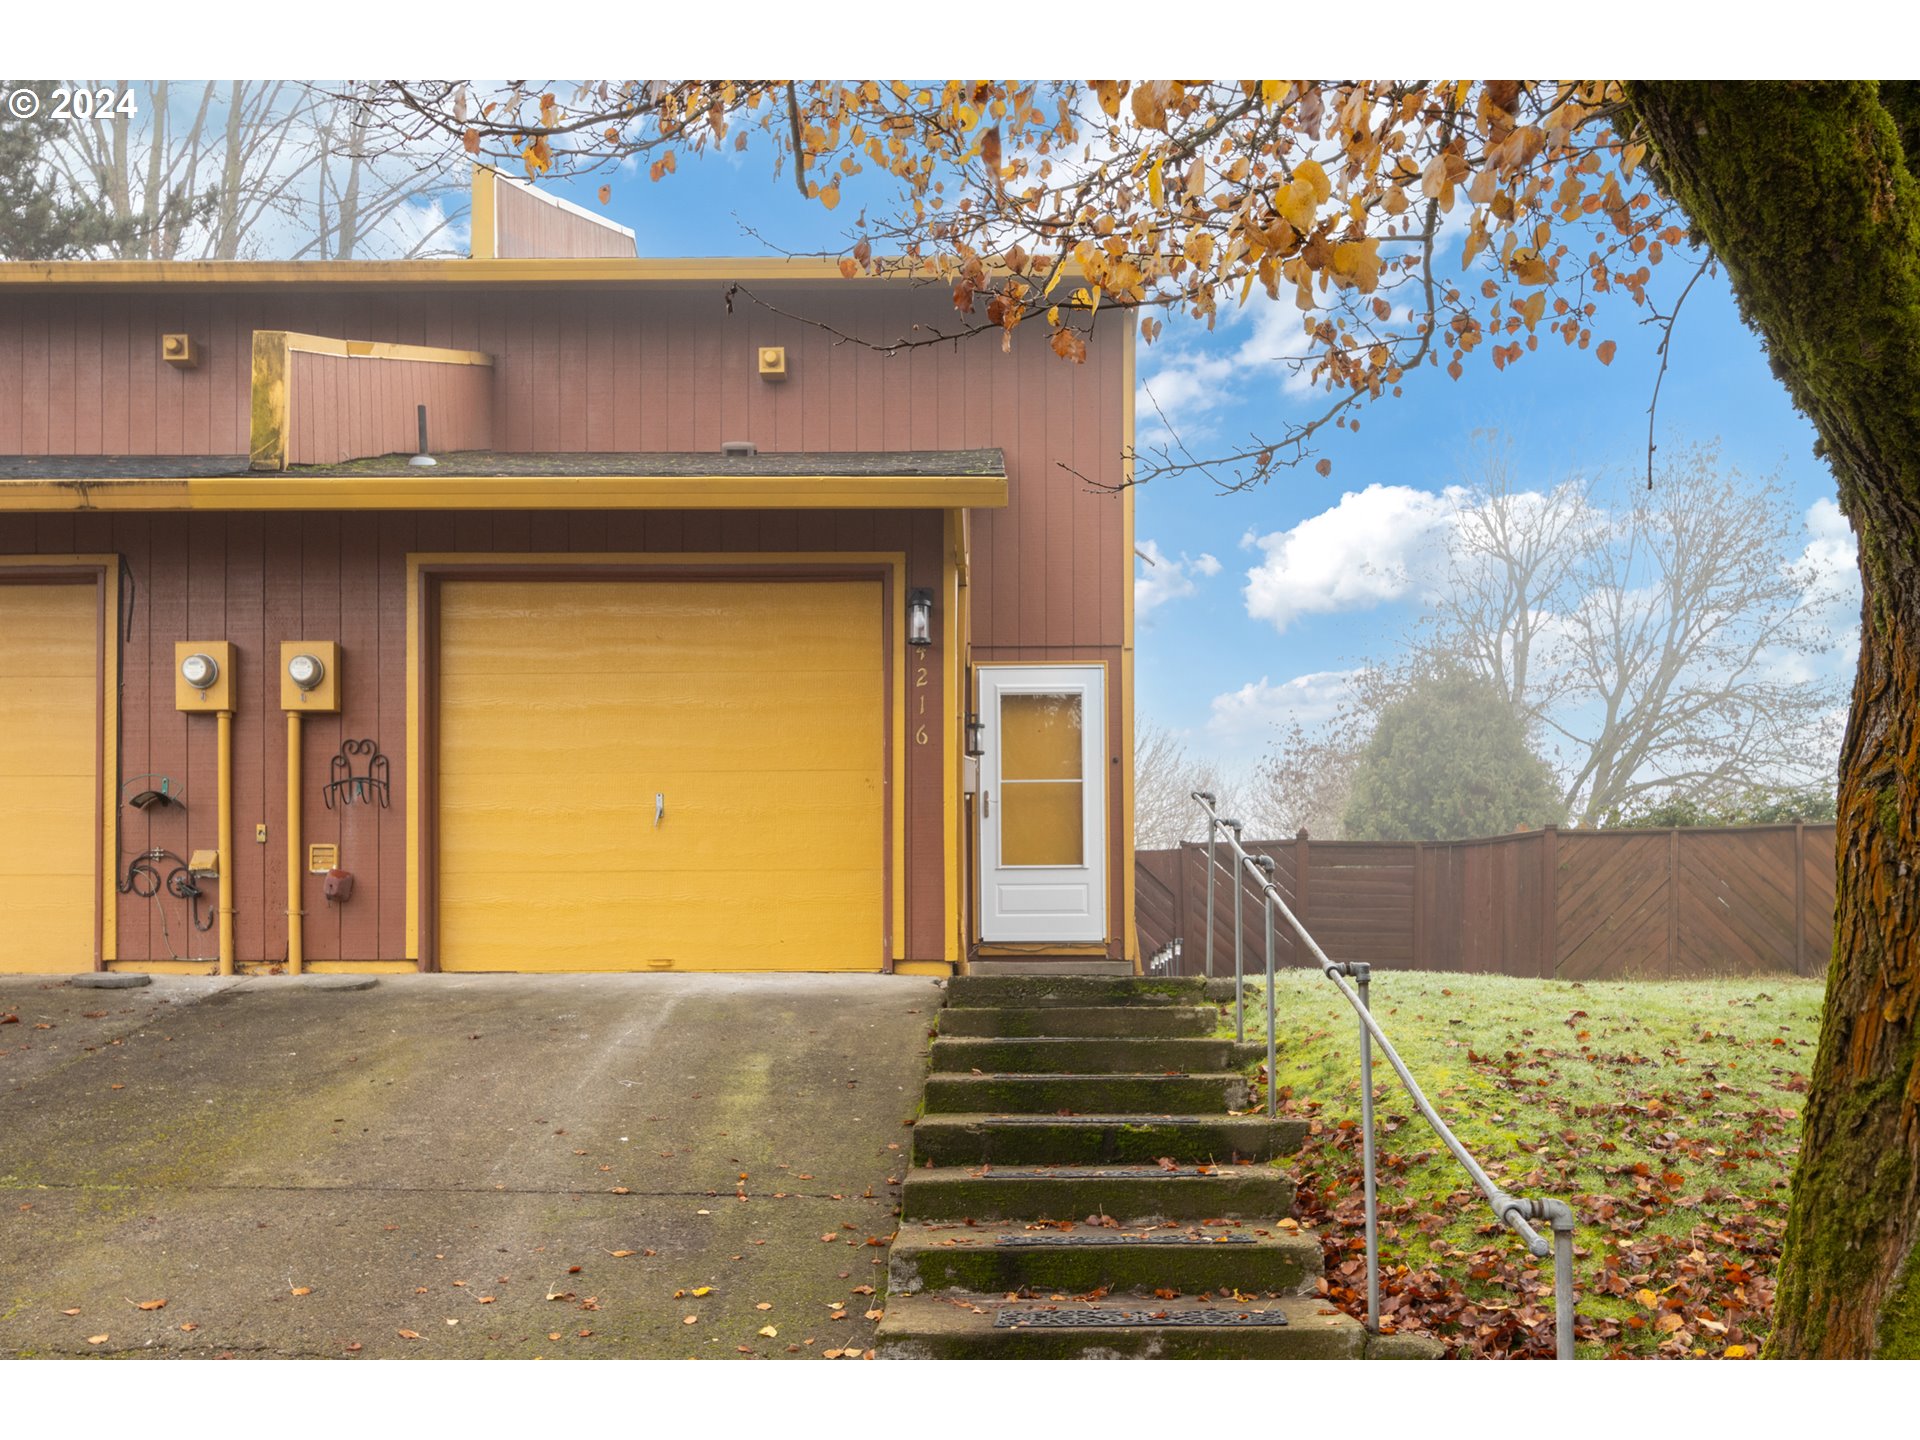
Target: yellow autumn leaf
(1533,307)
(1310,173)
(1272,92)
(771,1331)
(1736,1352)
(702,1290)
(1156,187)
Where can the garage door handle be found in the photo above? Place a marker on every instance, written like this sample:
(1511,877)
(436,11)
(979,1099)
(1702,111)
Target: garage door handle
(659,810)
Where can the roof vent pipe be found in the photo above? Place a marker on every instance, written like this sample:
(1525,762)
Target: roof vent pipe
(423,458)
(739,449)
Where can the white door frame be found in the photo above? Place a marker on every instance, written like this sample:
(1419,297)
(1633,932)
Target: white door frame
(1045,904)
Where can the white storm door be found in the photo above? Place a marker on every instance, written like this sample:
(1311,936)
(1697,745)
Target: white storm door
(1043,804)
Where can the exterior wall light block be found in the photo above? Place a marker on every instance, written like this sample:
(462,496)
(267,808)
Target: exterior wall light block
(180,352)
(203,676)
(301,688)
(773,363)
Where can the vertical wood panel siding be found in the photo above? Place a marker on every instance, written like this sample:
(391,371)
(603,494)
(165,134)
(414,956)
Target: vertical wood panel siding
(341,407)
(258,579)
(529,228)
(667,367)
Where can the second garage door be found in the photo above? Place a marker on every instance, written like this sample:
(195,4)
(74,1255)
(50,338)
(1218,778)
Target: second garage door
(650,774)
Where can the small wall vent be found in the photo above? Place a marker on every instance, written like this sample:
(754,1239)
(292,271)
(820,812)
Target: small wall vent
(739,449)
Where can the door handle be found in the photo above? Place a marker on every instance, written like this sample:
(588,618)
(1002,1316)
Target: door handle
(659,810)
(986,803)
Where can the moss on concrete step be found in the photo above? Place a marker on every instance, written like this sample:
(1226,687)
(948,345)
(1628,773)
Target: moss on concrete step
(1082,1056)
(1191,1260)
(1130,1194)
(1108,1020)
(1101,1139)
(935,1327)
(1146,1095)
(1071,990)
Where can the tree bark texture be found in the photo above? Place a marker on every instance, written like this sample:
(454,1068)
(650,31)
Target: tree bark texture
(1809,199)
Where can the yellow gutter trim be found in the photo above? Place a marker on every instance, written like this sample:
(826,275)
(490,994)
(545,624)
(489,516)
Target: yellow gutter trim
(282,491)
(953,730)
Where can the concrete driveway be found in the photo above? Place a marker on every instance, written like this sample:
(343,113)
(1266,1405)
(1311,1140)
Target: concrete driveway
(482,1162)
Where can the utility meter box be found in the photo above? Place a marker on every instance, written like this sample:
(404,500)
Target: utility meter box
(203,675)
(310,676)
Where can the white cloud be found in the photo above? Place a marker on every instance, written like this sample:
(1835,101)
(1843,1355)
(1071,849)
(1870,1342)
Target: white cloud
(1247,718)
(1162,577)
(1832,558)
(1195,377)
(1376,545)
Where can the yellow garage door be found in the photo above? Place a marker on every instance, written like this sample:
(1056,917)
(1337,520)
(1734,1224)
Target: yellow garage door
(654,774)
(49,747)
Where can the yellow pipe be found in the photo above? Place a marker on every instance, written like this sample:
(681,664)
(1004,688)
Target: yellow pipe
(295,941)
(226,842)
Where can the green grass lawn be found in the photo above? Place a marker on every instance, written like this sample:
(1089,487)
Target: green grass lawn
(1667,1113)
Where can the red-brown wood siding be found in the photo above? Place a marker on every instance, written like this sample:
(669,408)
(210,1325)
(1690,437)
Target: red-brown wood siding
(666,367)
(529,228)
(342,407)
(259,579)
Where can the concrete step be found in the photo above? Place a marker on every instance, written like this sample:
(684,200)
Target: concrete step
(1101,1139)
(1131,1194)
(1048,965)
(1130,1055)
(963,1327)
(1072,990)
(1102,1020)
(995,1259)
(1145,1095)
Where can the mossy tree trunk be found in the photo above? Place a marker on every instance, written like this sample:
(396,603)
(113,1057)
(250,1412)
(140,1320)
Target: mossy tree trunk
(1808,197)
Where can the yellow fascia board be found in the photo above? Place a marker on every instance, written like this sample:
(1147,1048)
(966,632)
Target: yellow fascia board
(280,491)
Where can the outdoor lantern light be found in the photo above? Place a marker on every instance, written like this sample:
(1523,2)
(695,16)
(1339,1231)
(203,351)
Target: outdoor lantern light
(200,670)
(920,617)
(306,671)
(976,735)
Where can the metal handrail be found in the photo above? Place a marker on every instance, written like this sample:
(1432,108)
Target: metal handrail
(1515,1212)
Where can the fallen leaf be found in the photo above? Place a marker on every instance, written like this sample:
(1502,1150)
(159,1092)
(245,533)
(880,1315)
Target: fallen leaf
(96,1339)
(770,1332)
(297,1290)
(69,1312)
(353,1346)
(485,1300)
(824,1354)
(190,1327)
(621,1254)
(1736,1352)
(763,1305)
(408,1334)
(703,1290)
(149,1304)
(690,1320)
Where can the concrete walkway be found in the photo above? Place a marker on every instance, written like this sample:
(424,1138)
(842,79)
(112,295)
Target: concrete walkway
(302,1172)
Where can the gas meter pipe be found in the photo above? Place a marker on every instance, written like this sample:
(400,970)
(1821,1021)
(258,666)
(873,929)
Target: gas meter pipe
(296,945)
(225,718)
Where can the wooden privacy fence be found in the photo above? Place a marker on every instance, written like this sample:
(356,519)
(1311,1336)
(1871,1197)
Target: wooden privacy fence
(1571,904)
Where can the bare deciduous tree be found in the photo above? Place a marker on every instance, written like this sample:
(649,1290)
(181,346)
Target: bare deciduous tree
(251,169)
(1165,775)
(1655,648)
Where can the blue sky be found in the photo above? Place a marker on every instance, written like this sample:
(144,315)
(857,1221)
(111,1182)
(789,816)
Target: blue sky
(1214,665)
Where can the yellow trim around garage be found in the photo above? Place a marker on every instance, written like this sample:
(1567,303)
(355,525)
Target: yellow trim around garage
(282,491)
(1130,941)
(109,703)
(894,560)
